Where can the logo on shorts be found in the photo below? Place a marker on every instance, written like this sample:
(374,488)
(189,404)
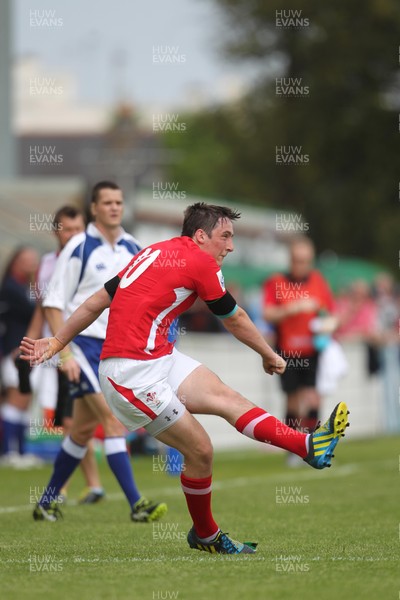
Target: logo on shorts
(151,397)
(101,266)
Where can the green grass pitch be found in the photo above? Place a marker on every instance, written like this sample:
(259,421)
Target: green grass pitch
(328,534)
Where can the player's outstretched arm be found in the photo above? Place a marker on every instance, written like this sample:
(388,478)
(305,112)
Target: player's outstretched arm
(38,351)
(241,326)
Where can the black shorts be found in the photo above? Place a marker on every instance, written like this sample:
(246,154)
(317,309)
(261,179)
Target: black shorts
(300,373)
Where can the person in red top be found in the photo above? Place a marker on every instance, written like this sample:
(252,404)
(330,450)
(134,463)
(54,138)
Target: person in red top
(147,382)
(357,313)
(292,301)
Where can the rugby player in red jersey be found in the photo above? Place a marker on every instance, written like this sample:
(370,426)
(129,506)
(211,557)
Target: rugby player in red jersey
(143,376)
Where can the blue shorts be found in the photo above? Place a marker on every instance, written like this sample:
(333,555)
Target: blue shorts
(86,351)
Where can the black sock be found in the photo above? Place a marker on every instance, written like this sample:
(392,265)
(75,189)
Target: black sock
(292,420)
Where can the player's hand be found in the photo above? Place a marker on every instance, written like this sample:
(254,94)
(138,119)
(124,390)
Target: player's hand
(274,364)
(69,366)
(38,351)
(304,305)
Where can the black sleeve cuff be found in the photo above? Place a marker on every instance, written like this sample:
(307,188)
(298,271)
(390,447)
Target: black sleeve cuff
(223,307)
(111,286)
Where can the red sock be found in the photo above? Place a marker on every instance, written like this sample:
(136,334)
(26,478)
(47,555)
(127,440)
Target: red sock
(256,423)
(198,498)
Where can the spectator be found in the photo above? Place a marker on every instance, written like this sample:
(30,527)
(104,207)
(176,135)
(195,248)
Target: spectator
(18,305)
(387,337)
(291,303)
(357,314)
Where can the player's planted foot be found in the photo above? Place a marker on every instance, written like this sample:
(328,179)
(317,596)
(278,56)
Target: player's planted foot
(51,512)
(221,544)
(146,511)
(324,439)
(91,495)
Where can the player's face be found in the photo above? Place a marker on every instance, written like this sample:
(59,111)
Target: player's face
(301,262)
(109,207)
(69,227)
(221,241)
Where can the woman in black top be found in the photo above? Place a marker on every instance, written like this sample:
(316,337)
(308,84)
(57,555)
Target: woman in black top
(17,304)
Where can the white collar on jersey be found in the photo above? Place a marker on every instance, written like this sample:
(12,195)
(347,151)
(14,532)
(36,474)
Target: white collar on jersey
(94,232)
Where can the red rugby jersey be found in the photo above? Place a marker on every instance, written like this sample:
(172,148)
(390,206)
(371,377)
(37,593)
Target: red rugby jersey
(159,284)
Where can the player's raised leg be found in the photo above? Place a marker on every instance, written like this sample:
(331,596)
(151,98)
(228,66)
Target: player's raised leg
(205,393)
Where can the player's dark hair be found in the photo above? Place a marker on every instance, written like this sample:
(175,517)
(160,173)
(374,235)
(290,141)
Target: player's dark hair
(70,212)
(206,216)
(102,185)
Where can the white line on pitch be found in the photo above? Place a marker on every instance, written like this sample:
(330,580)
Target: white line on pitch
(342,471)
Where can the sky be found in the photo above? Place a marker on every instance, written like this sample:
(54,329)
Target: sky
(147,51)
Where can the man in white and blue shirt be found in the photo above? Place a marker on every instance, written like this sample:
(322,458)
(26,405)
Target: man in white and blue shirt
(88,260)
(85,264)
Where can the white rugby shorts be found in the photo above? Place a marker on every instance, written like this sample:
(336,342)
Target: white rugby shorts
(143,393)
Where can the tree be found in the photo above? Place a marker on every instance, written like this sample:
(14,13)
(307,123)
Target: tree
(347,125)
